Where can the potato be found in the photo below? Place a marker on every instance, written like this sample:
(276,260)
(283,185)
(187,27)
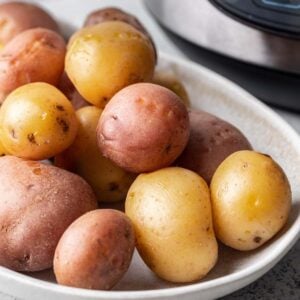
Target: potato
(104,58)
(251,199)
(38,203)
(16,17)
(211,141)
(68,88)
(37,122)
(143,128)
(171,214)
(95,251)
(116,14)
(34,55)
(2,150)
(110,183)
(172,83)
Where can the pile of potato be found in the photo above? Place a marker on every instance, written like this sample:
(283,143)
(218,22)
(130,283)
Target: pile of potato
(116,130)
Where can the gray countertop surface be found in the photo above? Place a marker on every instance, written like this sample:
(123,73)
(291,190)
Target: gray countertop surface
(283,281)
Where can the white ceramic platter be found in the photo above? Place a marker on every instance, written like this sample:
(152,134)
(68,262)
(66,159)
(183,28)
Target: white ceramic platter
(268,133)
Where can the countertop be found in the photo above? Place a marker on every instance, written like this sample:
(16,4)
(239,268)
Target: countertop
(283,281)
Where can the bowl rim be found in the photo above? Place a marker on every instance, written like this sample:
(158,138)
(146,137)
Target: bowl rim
(285,243)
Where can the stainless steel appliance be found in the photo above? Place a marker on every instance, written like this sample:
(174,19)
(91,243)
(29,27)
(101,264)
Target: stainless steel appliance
(262,34)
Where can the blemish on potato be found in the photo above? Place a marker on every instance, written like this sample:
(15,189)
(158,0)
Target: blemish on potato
(59,107)
(30,186)
(168,148)
(63,124)
(13,134)
(113,186)
(31,138)
(257,239)
(37,171)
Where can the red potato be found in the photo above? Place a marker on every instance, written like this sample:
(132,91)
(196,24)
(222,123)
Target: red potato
(95,251)
(116,14)
(143,128)
(35,55)
(211,141)
(16,17)
(38,203)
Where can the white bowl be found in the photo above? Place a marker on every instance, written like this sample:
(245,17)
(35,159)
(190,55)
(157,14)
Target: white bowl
(268,133)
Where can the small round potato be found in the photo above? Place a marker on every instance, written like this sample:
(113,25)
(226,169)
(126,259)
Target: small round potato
(34,55)
(38,203)
(251,199)
(171,214)
(37,122)
(172,83)
(211,141)
(103,59)
(16,17)
(95,251)
(143,128)
(109,182)
(116,14)
(68,88)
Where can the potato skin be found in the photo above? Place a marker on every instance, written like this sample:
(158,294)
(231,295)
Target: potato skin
(95,251)
(171,82)
(116,14)
(143,128)
(171,214)
(38,203)
(103,59)
(109,182)
(211,141)
(37,122)
(18,17)
(34,55)
(251,200)
(67,87)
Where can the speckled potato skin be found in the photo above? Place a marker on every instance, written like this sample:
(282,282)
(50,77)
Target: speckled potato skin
(116,14)
(37,122)
(171,213)
(251,200)
(211,141)
(95,251)
(38,203)
(16,17)
(35,55)
(172,83)
(143,128)
(109,182)
(103,59)
(67,87)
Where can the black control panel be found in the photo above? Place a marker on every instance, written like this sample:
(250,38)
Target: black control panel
(280,17)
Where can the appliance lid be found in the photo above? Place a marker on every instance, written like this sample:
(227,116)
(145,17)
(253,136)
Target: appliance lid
(201,23)
(280,17)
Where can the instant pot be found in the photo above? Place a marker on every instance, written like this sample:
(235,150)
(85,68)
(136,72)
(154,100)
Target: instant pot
(258,39)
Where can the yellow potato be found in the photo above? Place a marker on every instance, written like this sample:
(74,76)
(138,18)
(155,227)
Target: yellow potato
(2,150)
(37,122)
(251,199)
(172,83)
(104,58)
(110,183)
(171,214)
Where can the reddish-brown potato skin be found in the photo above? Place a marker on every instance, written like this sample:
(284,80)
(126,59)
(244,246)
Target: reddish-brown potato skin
(211,141)
(35,55)
(143,128)
(38,203)
(116,14)
(68,88)
(16,17)
(95,251)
